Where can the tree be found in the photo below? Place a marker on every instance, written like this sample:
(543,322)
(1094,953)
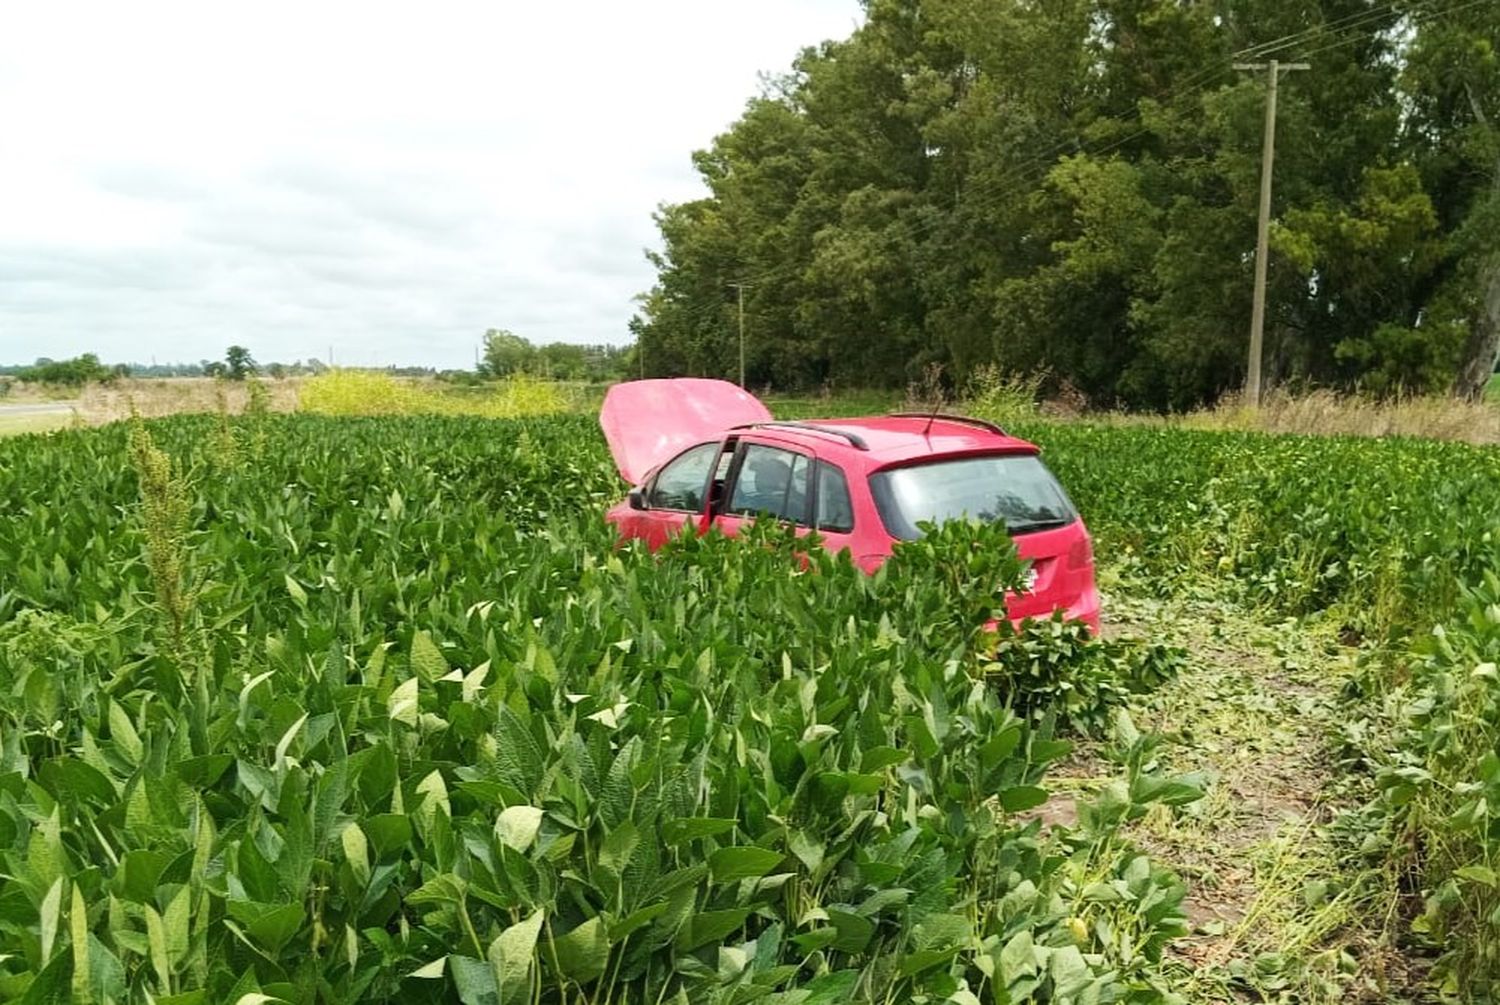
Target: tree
(1451,79)
(506,353)
(238,363)
(966,182)
(70,372)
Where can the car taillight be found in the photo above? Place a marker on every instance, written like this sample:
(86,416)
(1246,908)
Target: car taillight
(1081,554)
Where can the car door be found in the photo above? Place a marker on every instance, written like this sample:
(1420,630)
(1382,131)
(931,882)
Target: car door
(765,479)
(676,495)
(833,509)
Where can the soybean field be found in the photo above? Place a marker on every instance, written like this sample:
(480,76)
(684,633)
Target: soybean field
(314,709)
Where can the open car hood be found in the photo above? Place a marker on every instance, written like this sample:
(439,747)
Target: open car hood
(648,421)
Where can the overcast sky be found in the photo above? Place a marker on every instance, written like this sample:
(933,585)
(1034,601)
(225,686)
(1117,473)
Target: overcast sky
(386,179)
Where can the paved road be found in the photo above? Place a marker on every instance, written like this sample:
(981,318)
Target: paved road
(36,408)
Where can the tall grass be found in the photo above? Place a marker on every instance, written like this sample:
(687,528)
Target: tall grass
(1329,413)
(153,398)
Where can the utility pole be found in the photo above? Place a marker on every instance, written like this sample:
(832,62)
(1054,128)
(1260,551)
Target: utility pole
(1263,224)
(741,287)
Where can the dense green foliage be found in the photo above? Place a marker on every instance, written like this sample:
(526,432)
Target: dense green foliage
(359,710)
(71,373)
(1073,187)
(507,354)
(1386,532)
(343,710)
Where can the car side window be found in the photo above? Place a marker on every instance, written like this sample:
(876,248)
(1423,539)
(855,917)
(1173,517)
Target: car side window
(835,511)
(771,481)
(680,484)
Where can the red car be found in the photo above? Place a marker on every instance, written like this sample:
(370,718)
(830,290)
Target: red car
(707,454)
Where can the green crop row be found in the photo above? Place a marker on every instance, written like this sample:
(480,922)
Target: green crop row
(319,710)
(1398,539)
(1384,532)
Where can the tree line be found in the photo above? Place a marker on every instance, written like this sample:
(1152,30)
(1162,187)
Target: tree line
(1070,187)
(505,353)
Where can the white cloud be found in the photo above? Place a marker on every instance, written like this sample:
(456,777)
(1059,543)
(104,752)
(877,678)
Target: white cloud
(388,179)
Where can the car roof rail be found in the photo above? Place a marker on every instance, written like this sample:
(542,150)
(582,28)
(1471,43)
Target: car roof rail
(967,420)
(855,440)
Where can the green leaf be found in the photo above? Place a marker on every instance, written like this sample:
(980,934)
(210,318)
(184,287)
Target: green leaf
(270,925)
(877,758)
(915,963)
(67,776)
(636,920)
(430,971)
(808,850)
(427,659)
(518,826)
(836,988)
(434,793)
(685,829)
(1000,746)
(122,731)
(156,939)
(1070,972)
(202,772)
(583,953)
(78,928)
(729,865)
(44,850)
(51,912)
(402,704)
(854,930)
(1481,874)
(705,927)
(474,980)
(175,922)
(1022,797)
(511,955)
(388,832)
(1018,958)
(356,852)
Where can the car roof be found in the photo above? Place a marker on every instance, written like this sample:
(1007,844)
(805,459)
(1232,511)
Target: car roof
(881,440)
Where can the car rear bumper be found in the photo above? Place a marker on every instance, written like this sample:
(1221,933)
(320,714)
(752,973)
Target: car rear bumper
(1085,608)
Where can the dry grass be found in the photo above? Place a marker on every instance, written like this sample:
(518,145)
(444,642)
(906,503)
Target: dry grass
(101,403)
(34,422)
(1327,413)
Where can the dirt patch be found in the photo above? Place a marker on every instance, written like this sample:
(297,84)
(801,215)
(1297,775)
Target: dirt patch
(1274,916)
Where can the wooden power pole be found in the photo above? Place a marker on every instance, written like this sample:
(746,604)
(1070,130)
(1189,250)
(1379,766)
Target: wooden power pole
(741,287)
(1263,225)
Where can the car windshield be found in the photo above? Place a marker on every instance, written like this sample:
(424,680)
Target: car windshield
(1015,488)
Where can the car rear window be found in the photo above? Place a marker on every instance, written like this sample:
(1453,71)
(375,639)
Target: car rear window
(835,511)
(1015,488)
